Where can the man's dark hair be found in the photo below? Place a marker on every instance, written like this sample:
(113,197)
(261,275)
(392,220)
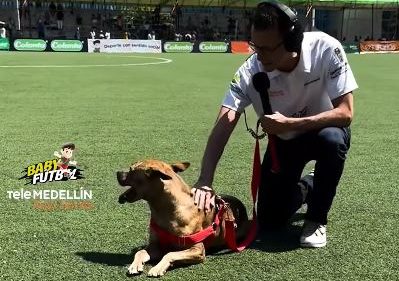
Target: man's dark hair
(276,15)
(266,16)
(68,145)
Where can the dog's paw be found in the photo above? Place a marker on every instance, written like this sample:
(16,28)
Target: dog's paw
(135,268)
(158,270)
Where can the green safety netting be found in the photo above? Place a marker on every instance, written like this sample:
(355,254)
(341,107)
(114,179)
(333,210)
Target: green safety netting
(248,3)
(336,3)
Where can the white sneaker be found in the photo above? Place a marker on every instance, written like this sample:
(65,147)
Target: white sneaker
(314,235)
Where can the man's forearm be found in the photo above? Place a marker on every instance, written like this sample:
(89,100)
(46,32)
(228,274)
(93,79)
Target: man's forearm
(214,150)
(336,117)
(217,140)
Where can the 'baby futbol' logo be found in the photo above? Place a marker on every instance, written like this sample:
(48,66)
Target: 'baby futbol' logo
(63,168)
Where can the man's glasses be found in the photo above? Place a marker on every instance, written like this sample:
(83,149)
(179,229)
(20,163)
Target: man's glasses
(259,49)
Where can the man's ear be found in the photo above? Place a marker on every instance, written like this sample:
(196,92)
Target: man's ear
(152,174)
(180,166)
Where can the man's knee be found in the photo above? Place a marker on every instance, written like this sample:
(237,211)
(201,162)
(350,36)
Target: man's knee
(334,141)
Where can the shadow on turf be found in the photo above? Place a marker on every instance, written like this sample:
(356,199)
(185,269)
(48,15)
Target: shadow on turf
(111,259)
(286,239)
(283,240)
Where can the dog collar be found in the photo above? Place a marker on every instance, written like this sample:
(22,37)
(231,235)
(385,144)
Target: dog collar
(205,235)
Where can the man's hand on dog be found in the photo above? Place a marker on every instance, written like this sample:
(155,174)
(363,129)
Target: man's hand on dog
(204,197)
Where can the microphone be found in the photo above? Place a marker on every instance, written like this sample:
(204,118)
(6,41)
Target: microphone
(261,81)
(261,84)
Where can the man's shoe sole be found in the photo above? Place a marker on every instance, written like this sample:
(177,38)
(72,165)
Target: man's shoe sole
(308,245)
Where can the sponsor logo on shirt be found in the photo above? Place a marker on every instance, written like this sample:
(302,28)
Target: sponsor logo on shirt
(236,78)
(300,113)
(338,71)
(312,81)
(338,53)
(276,93)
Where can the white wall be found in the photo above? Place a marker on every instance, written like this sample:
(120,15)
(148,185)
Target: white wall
(358,22)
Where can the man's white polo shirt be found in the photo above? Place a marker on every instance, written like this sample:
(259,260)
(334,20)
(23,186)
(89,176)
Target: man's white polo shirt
(321,75)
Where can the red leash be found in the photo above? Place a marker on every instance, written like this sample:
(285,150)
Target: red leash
(255,182)
(230,236)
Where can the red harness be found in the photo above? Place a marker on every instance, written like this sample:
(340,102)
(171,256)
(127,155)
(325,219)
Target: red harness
(206,235)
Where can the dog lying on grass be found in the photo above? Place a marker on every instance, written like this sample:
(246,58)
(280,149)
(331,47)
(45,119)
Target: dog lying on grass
(176,223)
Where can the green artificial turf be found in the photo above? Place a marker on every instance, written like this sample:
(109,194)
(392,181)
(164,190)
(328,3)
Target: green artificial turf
(120,114)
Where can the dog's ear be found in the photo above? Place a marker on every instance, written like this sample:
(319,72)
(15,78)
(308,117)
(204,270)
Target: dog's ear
(180,166)
(152,174)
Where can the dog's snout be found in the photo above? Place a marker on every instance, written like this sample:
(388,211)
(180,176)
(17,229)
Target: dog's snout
(121,176)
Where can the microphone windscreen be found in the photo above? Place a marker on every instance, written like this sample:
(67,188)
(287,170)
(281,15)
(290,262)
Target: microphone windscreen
(261,82)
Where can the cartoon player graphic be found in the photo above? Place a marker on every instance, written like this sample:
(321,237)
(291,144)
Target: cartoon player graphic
(97,46)
(65,157)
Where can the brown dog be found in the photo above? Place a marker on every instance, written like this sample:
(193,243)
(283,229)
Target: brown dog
(173,211)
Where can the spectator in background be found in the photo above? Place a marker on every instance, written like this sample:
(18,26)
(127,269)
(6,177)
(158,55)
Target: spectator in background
(47,18)
(41,29)
(93,33)
(216,35)
(93,20)
(178,37)
(11,27)
(60,16)
(107,35)
(2,30)
(119,22)
(188,37)
(193,36)
(101,35)
(77,33)
(146,26)
(151,35)
(52,9)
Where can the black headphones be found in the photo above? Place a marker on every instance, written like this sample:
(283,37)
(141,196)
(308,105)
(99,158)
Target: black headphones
(294,35)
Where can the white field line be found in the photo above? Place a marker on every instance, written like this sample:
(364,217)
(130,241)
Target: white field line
(161,61)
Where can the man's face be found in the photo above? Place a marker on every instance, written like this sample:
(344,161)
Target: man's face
(67,153)
(269,46)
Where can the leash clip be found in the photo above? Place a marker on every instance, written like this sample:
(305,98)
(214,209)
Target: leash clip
(253,133)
